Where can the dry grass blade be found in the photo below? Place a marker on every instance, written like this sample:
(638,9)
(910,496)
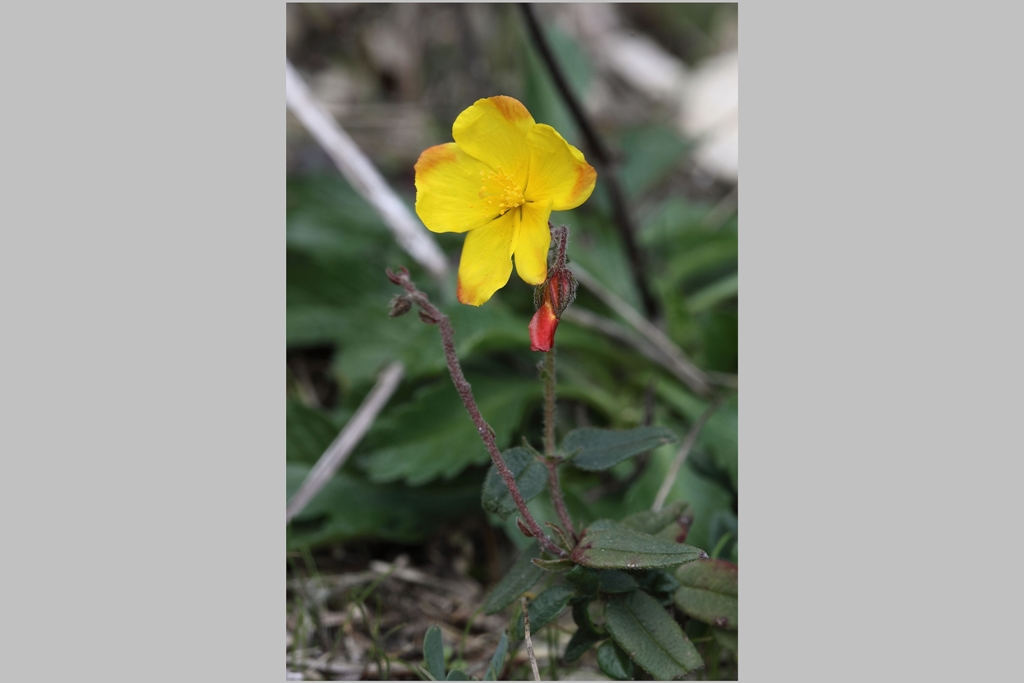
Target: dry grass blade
(684,450)
(529,640)
(335,455)
(696,379)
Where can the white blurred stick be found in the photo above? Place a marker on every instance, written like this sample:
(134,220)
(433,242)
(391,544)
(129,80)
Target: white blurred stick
(339,450)
(363,175)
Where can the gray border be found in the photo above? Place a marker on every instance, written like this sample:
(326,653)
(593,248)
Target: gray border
(143,271)
(143,274)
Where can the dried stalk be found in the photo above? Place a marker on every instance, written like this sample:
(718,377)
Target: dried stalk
(342,446)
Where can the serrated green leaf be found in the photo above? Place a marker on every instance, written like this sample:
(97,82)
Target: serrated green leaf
(620,548)
(531,478)
(498,660)
(458,675)
(432,436)
(708,592)
(520,578)
(349,507)
(642,627)
(433,652)
(614,662)
(598,449)
(545,607)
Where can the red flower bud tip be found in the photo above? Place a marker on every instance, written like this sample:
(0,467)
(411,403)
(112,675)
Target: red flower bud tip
(542,328)
(551,299)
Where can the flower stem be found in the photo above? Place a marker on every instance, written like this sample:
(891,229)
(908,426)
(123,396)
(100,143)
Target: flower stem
(431,315)
(561,234)
(549,443)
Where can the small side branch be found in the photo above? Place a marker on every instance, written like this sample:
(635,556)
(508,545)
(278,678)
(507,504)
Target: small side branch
(431,315)
(339,450)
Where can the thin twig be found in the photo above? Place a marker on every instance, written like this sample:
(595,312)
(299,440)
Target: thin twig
(684,450)
(529,640)
(695,378)
(431,315)
(602,159)
(339,450)
(363,175)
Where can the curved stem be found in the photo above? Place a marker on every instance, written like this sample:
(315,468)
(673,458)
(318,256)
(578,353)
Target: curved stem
(430,314)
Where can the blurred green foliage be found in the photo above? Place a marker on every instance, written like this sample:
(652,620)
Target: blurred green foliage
(423,462)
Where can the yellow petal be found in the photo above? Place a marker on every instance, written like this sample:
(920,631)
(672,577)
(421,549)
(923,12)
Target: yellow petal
(494,131)
(558,172)
(533,242)
(486,262)
(448,183)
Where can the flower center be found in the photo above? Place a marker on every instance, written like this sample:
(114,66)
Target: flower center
(500,191)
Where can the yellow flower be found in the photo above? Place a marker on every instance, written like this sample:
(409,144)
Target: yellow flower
(499,182)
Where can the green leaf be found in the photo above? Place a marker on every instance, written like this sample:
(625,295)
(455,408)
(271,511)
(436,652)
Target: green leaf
(545,607)
(432,436)
(709,592)
(664,523)
(620,548)
(714,294)
(458,675)
(349,507)
(599,449)
(650,636)
(498,660)
(719,435)
(580,642)
(650,154)
(531,478)
(614,581)
(558,565)
(520,578)
(614,662)
(585,579)
(581,615)
(727,639)
(308,433)
(433,652)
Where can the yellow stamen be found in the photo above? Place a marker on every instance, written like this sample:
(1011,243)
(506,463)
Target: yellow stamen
(500,191)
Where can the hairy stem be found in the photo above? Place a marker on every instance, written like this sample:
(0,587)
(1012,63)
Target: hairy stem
(430,314)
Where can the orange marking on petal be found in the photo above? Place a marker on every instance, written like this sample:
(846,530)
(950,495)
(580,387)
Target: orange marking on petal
(432,156)
(511,108)
(585,175)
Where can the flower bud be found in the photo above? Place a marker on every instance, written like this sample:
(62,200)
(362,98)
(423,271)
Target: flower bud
(523,528)
(400,305)
(551,300)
